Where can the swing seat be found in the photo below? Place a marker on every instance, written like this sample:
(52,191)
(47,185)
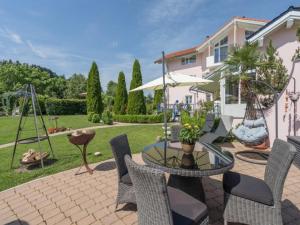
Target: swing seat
(249,135)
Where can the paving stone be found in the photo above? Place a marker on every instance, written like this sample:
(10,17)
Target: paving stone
(78,216)
(87,220)
(90,199)
(109,219)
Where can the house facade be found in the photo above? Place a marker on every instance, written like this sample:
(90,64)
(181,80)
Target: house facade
(282,31)
(206,58)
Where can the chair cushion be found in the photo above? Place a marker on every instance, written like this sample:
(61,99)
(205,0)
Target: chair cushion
(186,210)
(126,179)
(247,187)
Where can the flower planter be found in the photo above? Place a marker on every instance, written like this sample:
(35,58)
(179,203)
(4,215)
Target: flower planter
(188,148)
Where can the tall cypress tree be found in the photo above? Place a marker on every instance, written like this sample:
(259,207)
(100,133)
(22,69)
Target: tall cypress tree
(94,98)
(121,98)
(136,100)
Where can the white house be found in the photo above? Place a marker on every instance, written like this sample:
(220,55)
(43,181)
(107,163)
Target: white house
(208,57)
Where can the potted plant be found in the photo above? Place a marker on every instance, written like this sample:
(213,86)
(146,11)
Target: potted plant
(188,136)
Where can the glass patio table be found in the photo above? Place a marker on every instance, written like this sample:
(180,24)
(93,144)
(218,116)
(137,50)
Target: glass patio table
(186,170)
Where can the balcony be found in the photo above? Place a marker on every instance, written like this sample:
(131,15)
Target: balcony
(210,62)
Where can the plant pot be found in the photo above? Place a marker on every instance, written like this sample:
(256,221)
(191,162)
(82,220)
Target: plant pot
(188,148)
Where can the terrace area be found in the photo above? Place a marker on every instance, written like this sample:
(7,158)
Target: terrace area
(64,198)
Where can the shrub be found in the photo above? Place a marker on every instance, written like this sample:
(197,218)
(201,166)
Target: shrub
(107,117)
(189,133)
(90,116)
(56,106)
(207,106)
(198,120)
(141,118)
(96,118)
(158,98)
(29,109)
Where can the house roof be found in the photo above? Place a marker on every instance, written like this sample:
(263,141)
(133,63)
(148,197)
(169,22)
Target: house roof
(252,19)
(178,53)
(291,12)
(194,49)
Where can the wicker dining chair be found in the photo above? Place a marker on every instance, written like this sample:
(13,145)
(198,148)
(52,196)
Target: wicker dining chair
(120,147)
(222,131)
(158,204)
(254,201)
(209,123)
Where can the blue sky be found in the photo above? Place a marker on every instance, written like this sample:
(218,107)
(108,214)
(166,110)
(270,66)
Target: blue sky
(67,35)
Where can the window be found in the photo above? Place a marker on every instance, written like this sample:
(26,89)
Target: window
(248,33)
(231,90)
(221,50)
(188,99)
(188,60)
(208,97)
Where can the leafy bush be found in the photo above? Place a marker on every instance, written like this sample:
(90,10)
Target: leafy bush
(189,133)
(107,117)
(194,120)
(56,106)
(90,116)
(158,98)
(141,118)
(96,118)
(207,106)
(28,108)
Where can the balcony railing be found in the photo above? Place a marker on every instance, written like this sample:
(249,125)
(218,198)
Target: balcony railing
(210,62)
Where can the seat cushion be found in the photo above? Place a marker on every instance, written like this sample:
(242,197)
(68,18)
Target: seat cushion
(186,210)
(247,187)
(126,179)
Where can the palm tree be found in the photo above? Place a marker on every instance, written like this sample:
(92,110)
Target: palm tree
(244,58)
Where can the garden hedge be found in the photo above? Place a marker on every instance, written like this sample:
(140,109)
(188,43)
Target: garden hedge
(141,118)
(56,106)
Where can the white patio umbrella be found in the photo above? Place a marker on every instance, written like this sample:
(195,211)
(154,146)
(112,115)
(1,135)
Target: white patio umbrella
(170,79)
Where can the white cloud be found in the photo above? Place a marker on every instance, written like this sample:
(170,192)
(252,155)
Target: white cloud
(12,36)
(53,52)
(171,10)
(36,51)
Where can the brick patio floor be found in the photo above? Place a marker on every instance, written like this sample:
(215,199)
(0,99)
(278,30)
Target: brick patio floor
(85,199)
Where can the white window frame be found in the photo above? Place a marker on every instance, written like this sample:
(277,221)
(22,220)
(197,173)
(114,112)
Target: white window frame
(218,46)
(239,98)
(188,60)
(188,97)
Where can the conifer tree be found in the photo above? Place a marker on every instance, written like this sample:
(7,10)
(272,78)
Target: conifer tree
(136,100)
(94,98)
(121,98)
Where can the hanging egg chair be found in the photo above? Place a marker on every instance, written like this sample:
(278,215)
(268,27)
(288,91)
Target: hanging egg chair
(253,130)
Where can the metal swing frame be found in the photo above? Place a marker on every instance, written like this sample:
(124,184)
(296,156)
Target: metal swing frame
(29,94)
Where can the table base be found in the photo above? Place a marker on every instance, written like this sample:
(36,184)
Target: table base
(88,169)
(190,185)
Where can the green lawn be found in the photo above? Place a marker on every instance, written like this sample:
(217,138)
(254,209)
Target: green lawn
(67,155)
(9,125)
